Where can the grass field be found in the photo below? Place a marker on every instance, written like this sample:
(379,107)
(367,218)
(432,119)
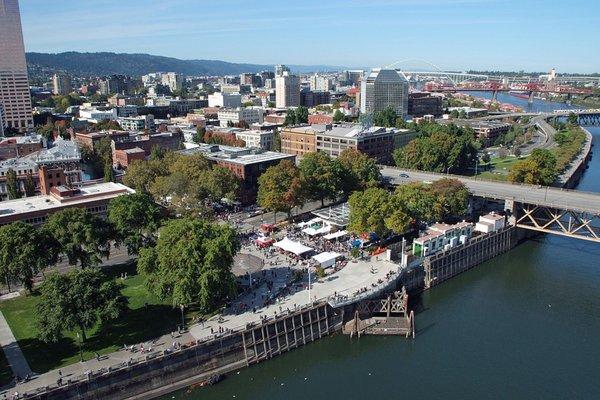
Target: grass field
(497,169)
(146,318)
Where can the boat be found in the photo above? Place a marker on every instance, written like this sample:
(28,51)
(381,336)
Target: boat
(520,94)
(212,380)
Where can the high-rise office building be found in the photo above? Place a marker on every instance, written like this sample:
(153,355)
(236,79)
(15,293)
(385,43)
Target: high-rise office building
(280,69)
(287,90)
(61,84)
(384,88)
(14,85)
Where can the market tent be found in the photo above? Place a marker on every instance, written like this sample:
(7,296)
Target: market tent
(264,241)
(309,223)
(326,259)
(293,247)
(335,235)
(310,231)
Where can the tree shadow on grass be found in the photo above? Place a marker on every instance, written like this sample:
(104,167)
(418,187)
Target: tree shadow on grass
(135,326)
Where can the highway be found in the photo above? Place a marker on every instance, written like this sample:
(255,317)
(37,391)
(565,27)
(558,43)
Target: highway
(527,194)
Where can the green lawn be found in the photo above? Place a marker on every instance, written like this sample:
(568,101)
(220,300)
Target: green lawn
(497,169)
(146,318)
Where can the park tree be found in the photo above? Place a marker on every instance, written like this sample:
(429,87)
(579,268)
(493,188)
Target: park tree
(418,201)
(276,146)
(320,179)
(376,210)
(537,169)
(573,119)
(12,185)
(83,237)
(141,174)
(290,117)
(338,116)
(301,115)
(191,263)
(279,188)
(219,183)
(386,117)
(77,300)
(24,252)
(359,171)
(135,219)
(451,198)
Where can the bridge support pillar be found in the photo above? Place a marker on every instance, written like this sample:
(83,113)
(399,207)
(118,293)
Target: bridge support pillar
(495,96)
(511,211)
(530,100)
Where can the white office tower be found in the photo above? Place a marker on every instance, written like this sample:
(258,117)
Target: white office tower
(287,90)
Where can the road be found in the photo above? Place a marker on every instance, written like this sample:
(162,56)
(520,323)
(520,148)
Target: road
(527,194)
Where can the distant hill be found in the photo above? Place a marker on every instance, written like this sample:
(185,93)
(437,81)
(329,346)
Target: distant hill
(88,64)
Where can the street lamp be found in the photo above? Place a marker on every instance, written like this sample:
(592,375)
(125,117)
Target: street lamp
(79,340)
(181,307)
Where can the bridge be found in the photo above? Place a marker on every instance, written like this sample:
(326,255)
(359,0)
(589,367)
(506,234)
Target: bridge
(545,209)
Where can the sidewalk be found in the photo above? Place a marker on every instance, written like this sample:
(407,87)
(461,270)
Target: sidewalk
(12,351)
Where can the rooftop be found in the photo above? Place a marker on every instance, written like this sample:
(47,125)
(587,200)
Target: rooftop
(48,203)
(236,155)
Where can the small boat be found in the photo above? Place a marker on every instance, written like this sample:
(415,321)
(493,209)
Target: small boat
(212,380)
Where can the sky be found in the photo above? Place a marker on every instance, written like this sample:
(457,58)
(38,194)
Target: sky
(529,35)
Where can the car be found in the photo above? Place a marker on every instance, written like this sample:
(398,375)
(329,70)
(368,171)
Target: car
(403,175)
(427,182)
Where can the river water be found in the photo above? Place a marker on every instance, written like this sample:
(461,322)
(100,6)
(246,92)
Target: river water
(525,325)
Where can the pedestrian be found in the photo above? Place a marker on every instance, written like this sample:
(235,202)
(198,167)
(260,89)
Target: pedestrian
(59,373)
(97,356)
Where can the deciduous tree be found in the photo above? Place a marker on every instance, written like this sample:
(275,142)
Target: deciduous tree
(279,188)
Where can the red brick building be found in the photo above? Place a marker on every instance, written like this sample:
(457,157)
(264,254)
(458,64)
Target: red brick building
(320,119)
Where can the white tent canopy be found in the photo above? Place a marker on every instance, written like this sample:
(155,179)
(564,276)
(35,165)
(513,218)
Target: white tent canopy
(293,247)
(313,232)
(326,259)
(335,235)
(308,223)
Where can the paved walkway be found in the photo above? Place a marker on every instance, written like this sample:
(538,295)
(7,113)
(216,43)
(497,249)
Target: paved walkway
(12,351)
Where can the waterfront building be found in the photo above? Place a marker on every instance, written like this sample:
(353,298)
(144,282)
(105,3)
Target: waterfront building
(234,116)
(384,88)
(61,84)
(226,100)
(14,85)
(442,236)
(287,90)
(491,222)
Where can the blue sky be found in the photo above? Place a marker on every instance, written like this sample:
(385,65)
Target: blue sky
(452,34)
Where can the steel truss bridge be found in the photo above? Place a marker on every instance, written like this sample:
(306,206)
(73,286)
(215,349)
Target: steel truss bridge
(562,212)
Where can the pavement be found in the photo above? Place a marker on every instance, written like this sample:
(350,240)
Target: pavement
(12,351)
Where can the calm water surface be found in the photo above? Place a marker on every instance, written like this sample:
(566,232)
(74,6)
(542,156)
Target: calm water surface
(525,325)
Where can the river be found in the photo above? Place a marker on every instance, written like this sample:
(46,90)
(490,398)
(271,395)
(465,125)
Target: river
(525,325)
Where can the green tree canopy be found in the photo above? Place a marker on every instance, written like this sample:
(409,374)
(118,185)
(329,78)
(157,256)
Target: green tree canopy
(24,252)
(301,115)
(12,185)
(135,219)
(338,116)
(77,300)
(387,117)
(279,188)
(537,169)
(191,263)
(320,177)
(83,237)
(377,210)
(359,171)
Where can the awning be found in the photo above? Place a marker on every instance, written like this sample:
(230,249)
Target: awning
(326,259)
(293,247)
(335,235)
(309,223)
(264,240)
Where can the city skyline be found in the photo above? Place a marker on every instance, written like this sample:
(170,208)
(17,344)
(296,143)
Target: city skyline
(453,35)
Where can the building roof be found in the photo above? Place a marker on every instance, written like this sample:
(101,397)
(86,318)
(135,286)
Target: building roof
(63,150)
(235,155)
(48,203)
(338,215)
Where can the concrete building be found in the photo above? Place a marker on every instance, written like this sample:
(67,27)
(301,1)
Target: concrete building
(423,103)
(309,98)
(138,123)
(384,88)
(279,70)
(36,210)
(491,222)
(298,140)
(172,80)
(247,164)
(166,141)
(97,114)
(254,138)
(20,146)
(2,120)
(227,100)
(287,90)
(61,84)
(320,83)
(14,84)
(488,131)
(250,115)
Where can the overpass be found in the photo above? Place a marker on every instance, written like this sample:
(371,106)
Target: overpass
(545,209)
